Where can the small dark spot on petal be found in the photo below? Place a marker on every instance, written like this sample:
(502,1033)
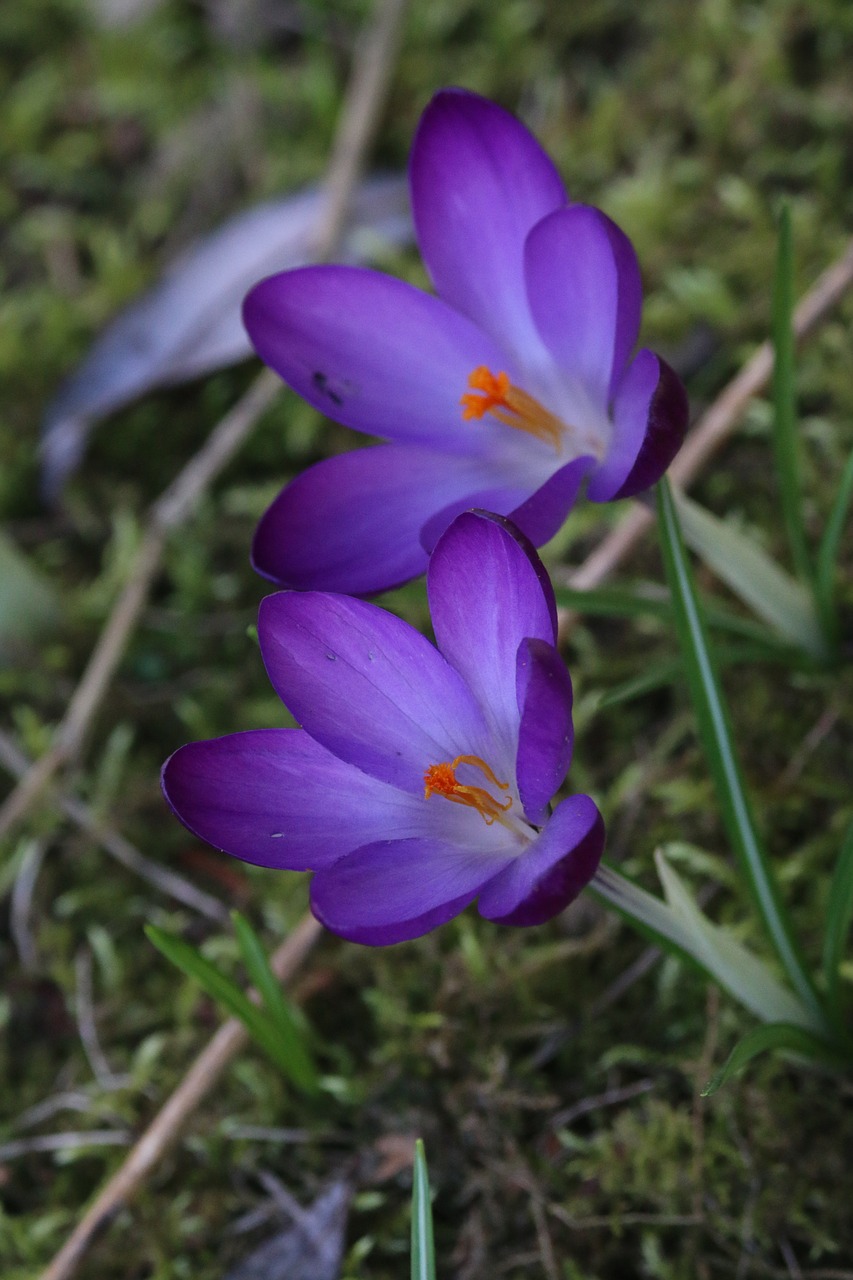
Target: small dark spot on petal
(321,382)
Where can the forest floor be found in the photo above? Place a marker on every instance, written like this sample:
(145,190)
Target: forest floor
(556,1081)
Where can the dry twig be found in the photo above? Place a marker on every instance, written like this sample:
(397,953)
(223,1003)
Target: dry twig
(22,898)
(166,881)
(713,428)
(87,1026)
(358,118)
(64,1142)
(174,507)
(359,113)
(167,1125)
(169,512)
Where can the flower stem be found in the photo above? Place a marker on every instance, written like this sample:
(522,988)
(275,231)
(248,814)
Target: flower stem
(717,738)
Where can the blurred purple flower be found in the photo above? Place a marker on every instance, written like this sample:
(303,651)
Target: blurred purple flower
(504,392)
(422,777)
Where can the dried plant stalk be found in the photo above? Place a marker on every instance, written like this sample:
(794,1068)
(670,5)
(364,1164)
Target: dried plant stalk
(358,117)
(357,123)
(167,1125)
(713,428)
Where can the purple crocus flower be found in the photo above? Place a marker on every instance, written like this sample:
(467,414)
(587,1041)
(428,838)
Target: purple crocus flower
(506,391)
(421,777)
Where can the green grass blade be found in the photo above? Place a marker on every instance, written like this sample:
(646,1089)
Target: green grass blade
(827,556)
(220,988)
(838,919)
(613,602)
(785,439)
(777,598)
(286,1021)
(616,602)
(423,1245)
(670,671)
(715,731)
(681,928)
(30,607)
(659,675)
(774,1035)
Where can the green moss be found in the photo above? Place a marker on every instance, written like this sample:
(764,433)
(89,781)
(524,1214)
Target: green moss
(687,122)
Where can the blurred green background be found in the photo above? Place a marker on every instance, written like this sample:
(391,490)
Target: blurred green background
(561,1113)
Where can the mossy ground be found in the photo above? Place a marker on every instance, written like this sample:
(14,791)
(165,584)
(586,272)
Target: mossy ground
(564,1127)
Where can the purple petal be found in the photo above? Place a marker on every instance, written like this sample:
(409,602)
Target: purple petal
(542,514)
(499,501)
(546,734)
(649,421)
(480,181)
(488,591)
(277,798)
(372,352)
(585,293)
(399,889)
(368,687)
(543,881)
(355,523)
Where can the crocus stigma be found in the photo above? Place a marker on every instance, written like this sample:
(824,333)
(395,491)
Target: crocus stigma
(422,776)
(506,391)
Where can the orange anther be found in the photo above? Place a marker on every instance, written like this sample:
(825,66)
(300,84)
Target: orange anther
(440,780)
(494,388)
(494,393)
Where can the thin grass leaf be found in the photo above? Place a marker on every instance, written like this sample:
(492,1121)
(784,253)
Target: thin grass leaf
(735,968)
(30,607)
(827,556)
(681,929)
(716,734)
(614,602)
(838,920)
(670,671)
(775,1035)
(285,1019)
(220,988)
(660,675)
(423,1245)
(777,598)
(785,438)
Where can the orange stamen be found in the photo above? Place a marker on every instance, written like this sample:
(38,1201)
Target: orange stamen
(440,780)
(493,388)
(495,394)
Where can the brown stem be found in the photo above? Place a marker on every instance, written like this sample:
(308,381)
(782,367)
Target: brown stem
(357,123)
(712,430)
(358,117)
(165,1128)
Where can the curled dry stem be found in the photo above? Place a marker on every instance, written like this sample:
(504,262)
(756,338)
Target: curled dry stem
(711,431)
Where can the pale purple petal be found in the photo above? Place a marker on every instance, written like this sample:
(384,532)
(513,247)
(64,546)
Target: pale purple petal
(277,798)
(546,734)
(585,293)
(541,882)
(537,510)
(356,522)
(498,500)
(400,889)
(372,352)
(543,513)
(649,421)
(480,181)
(367,686)
(488,591)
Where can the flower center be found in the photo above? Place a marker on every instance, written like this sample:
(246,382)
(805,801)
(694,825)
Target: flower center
(494,393)
(440,780)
